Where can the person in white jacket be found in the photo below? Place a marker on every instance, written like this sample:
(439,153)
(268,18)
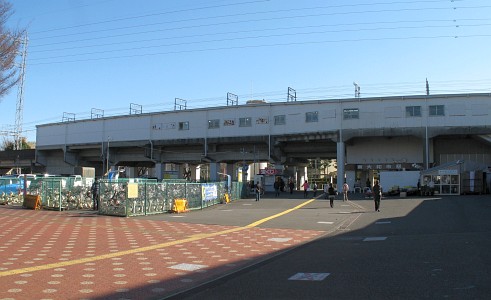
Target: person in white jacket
(345,191)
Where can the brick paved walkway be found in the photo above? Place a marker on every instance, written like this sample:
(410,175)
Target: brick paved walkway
(73,255)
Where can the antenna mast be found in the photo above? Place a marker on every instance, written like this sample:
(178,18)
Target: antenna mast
(19,112)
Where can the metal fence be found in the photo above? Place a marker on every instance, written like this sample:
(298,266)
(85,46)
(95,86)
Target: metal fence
(62,193)
(11,190)
(129,197)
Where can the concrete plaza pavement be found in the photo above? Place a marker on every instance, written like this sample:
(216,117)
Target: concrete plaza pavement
(415,248)
(278,248)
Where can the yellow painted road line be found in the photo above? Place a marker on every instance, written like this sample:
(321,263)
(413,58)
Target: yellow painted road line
(192,238)
(257,223)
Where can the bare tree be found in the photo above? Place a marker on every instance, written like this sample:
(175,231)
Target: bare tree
(10,145)
(10,41)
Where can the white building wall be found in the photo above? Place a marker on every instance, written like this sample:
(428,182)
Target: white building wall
(374,113)
(385,150)
(83,132)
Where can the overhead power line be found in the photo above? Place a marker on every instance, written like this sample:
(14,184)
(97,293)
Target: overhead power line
(116,52)
(452,22)
(180,51)
(149,15)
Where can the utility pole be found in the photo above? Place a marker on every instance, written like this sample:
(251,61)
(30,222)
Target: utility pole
(427,87)
(19,112)
(292,95)
(357,90)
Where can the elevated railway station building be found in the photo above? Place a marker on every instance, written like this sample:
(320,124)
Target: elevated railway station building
(363,135)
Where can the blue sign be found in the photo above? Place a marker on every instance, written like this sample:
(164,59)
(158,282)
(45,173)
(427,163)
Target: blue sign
(209,192)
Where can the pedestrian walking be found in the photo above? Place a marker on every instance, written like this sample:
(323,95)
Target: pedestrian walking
(377,194)
(314,188)
(259,188)
(95,195)
(305,188)
(291,185)
(277,188)
(345,191)
(331,193)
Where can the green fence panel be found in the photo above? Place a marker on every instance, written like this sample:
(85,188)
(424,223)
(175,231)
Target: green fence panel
(194,195)
(112,197)
(62,193)
(11,190)
(70,193)
(155,200)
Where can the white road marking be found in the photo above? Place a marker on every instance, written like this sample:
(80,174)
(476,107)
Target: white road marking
(309,276)
(375,239)
(187,267)
(279,240)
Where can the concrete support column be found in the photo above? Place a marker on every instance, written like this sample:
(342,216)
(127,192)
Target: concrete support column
(428,153)
(301,177)
(158,171)
(197,173)
(131,172)
(351,179)
(192,168)
(245,184)
(231,171)
(295,177)
(340,161)
(180,171)
(214,169)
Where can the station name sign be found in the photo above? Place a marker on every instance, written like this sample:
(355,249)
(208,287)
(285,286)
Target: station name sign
(270,171)
(448,172)
(384,166)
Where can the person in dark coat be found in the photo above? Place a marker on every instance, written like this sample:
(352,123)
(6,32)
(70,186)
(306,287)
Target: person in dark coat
(95,194)
(282,185)
(277,187)
(291,185)
(331,193)
(377,194)
(259,188)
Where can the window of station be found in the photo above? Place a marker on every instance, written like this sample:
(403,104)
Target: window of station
(213,123)
(312,117)
(183,125)
(436,110)
(280,120)
(351,113)
(413,111)
(245,122)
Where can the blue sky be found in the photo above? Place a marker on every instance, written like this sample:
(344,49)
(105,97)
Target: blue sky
(106,54)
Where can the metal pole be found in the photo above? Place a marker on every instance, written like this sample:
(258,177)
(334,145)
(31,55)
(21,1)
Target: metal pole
(107,156)
(427,145)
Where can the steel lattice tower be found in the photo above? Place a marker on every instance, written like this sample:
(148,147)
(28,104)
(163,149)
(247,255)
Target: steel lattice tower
(19,112)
